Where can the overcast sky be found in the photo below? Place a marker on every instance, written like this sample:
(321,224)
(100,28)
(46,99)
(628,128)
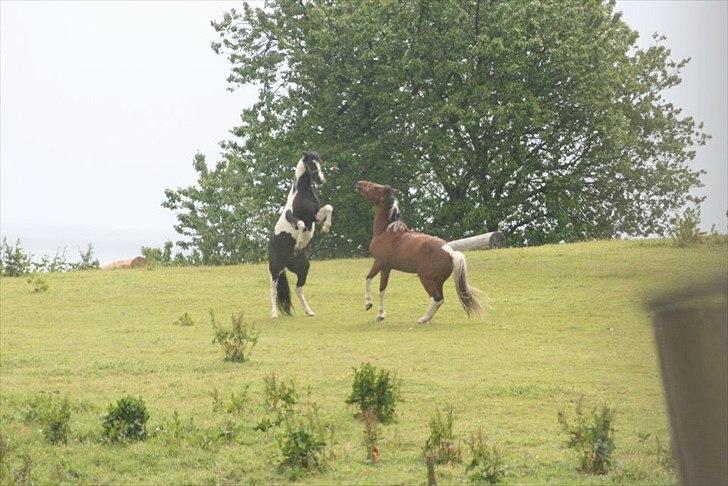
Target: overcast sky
(103,105)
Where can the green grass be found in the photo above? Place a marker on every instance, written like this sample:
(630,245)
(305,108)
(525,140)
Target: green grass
(562,321)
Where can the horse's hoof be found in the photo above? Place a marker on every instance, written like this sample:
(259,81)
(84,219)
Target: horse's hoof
(274,316)
(380,318)
(326,228)
(423,320)
(310,314)
(368,306)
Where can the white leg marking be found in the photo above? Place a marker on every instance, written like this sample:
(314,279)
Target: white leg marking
(273,299)
(302,298)
(368,294)
(380,311)
(430,312)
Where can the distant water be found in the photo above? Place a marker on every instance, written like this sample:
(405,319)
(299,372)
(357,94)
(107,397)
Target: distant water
(109,243)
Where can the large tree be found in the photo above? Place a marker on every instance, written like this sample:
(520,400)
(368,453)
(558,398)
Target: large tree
(541,118)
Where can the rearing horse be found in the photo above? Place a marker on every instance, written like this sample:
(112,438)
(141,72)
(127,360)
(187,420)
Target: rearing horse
(288,247)
(394,246)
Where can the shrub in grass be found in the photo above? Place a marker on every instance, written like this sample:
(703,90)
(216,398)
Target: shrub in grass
(590,435)
(441,442)
(37,284)
(235,404)
(280,395)
(486,465)
(238,341)
(126,420)
(53,414)
(305,441)
(685,229)
(375,389)
(184,320)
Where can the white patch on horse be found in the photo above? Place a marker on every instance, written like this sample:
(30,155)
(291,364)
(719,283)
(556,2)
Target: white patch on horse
(303,237)
(448,249)
(394,209)
(321,173)
(300,170)
(396,226)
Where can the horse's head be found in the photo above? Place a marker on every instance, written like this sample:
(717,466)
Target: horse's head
(311,163)
(376,193)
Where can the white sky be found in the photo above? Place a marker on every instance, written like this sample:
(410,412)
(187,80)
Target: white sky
(103,105)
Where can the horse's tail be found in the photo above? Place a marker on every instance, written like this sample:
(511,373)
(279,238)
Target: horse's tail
(283,294)
(465,293)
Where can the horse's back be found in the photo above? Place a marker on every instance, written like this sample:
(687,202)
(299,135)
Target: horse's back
(411,252)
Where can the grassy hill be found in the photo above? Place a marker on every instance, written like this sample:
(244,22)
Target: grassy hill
(563,321)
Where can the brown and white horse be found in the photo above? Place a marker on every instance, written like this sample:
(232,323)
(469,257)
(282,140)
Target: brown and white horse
(394,246)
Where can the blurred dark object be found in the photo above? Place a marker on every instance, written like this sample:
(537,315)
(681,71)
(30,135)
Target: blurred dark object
(691,333)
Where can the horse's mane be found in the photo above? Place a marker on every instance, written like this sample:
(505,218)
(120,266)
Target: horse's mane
(395,221)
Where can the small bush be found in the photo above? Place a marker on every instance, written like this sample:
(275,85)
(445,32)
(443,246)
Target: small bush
(371,435)
(184,320)
(53,414)
(441,442)
(686,228)
(237,342)
(126,420)
(280,396)
(486,465)
(14,260)
(38,284)
(305,442)
(234,405)
(375,389)
(591,437)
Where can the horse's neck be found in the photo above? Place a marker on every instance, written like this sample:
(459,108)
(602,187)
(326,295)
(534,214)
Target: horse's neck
(381,219)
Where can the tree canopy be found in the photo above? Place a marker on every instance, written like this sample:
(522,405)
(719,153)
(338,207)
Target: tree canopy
(541,118)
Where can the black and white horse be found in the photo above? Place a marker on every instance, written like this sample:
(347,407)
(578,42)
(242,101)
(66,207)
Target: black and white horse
(288,248)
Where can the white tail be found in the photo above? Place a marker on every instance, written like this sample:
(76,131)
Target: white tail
(460,275)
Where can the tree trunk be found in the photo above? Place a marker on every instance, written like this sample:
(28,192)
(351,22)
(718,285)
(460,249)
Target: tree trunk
(486,241)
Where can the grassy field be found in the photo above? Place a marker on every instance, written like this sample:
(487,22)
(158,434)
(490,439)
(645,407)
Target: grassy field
(563,321)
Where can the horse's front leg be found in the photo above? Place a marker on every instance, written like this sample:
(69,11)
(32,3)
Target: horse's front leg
(324,216)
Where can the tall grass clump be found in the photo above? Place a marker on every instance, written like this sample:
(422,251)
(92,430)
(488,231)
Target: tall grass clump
(591,436)
(685,229)
(53,414)
(379,390)
(486,465)
(126,420)
(237,342)
(441,441)
(37,284)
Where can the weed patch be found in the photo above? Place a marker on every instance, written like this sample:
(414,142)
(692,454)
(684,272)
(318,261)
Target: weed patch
(591,437)
(441,442)
(238,341)
(375,389)
(126,420)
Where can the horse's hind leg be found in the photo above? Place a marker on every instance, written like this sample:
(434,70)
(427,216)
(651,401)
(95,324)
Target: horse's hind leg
(275,273)
(301,270)
(383,280)
(368,286)
(433,286)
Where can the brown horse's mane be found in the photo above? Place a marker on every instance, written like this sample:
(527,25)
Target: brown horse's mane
(395,218)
